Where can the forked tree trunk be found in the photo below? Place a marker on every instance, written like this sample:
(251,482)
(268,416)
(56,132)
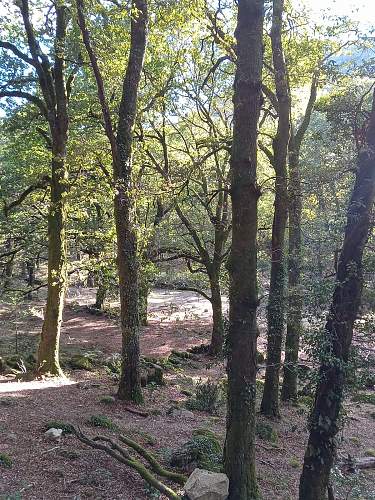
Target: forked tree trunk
(276,301)
(295,299)
(321,447)
(239,451)
(121,149)
(127,252)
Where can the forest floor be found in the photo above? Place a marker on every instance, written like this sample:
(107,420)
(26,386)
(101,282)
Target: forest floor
(42,469)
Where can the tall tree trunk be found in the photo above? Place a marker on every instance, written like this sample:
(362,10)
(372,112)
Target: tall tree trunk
(295,301)
(270,399)
(321,447)
(127,254)
(239,451)
(121,149)
(48,352)
(217,337)
(54,90)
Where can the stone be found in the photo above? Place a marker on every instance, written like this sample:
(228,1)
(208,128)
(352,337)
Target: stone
(80,362)
(54,434)
(205,485)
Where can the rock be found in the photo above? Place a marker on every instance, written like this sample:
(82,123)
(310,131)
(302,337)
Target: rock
(203,450)
(182,413)
(54,434)
(80,362)
(205,485)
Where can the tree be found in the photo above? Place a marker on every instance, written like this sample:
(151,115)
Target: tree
(243,295)
(121,149)
(338,334)
(53,105)
(275,310)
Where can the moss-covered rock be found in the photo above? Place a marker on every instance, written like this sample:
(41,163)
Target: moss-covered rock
(58,424)
(203,450)
(81,362)
(266,431)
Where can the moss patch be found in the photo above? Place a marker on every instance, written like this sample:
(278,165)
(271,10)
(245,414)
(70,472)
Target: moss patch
(5,460)
(101,421)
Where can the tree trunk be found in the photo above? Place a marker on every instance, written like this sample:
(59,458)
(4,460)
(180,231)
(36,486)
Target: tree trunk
(30,265)
(270,399)
(101,294)
(48,352)
(239,451)
(295,302)
(321,447)
(54,90)
(127,253)
(217,337)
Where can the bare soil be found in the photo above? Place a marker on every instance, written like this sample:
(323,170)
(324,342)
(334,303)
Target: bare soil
(68,470)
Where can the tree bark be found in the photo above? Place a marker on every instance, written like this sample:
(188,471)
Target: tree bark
(127,254)
(295,301)
(276,301)
(217,337)
(321,447)
(124,210)
(54,90)
(239,451)
(295,293)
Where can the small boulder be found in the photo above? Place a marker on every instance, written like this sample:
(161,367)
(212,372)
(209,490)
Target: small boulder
(81,362)
(54,434)
(205,485)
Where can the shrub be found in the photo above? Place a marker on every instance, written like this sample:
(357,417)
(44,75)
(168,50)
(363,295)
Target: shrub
(208,396)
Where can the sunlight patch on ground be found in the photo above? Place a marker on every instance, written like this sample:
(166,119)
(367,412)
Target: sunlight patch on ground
(8,387)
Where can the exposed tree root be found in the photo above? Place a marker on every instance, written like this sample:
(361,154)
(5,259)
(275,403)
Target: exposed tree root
(122,455)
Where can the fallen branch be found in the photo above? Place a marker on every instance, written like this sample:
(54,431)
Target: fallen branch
(122,455)
(156,467)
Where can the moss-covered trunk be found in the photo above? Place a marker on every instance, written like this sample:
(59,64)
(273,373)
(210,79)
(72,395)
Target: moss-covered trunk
(324,425)
(294,315)
(243,294)
(52,83)
(125,214)
(276,300)
(217,337)
(48,352)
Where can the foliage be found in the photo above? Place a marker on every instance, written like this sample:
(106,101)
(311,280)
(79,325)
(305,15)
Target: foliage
(208,396)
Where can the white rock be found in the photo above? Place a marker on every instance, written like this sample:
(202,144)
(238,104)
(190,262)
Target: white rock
(53,434)
(205,485)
